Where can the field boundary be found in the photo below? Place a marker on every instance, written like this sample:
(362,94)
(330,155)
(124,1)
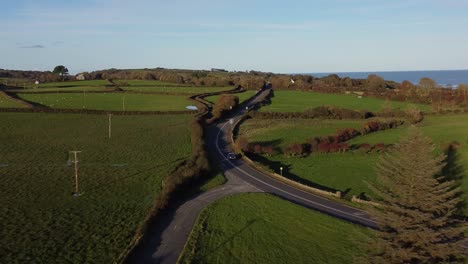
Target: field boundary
(8,96)
(91,111)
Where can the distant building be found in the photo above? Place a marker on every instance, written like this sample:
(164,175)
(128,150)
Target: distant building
(80,77)
(218,70)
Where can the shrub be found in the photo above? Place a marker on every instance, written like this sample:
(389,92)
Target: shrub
(366,148)
(295,149)
(243,144)
(414,115)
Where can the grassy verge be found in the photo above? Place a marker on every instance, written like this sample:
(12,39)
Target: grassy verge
(297,101)
(111,101)
(119,177)
(254,228)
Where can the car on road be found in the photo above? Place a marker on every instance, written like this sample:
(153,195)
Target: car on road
(231,156)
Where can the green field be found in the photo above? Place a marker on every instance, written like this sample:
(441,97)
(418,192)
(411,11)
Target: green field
(61,89)
(72,84)
(350,171)
(242,96)
(177,89)
(7,102)
(285,131)
(260,228)
(41,222)
(111,101)
(147,83)
(298,101)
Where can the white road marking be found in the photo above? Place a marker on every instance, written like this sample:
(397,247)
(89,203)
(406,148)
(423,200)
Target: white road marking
(298,197)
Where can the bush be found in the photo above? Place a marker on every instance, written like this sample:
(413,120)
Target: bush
(414,115)
(243,144)
(295,149)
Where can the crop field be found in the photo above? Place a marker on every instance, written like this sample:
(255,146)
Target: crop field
(247,228)
(177,89)
(350,171)
(118,179)
(298,101)
(111,101)
(7,102)
(242,96)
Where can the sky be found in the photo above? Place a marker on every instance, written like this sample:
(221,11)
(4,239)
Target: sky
(274,36)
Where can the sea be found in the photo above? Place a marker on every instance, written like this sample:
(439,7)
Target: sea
(443,78)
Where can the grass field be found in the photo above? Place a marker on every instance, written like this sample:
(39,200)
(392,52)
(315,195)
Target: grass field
(73,84)
(298,101)
(147,83)
(242,96)
(60,89)
(41,222)
(259,228)
(350,171)
(177,89)
(111,101)
(279,132)
(7,102)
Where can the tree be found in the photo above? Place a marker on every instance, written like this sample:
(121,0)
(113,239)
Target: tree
(427,83)
(60,70)
(375,82)
(417,221)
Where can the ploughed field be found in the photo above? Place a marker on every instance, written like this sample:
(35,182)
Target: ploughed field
(347,172)
(252,228)
(299,101)
(40,220)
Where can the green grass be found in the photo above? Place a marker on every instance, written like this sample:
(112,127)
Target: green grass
(260,228)
(146,82)
(60,89)
(298,101)
(73,83)
(279,132)
(7,102)
(349,171)
(242,96)
(39,219)
(111,101)
(177,89)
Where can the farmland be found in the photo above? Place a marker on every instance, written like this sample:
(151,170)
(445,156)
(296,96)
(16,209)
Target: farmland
(7,102)
(346,171)
(247,228)
(176,89)
(110,101)
(119,177)
(298,101)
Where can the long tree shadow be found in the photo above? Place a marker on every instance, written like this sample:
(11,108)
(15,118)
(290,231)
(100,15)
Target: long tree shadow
(275,165)
(453,171)
(233,236)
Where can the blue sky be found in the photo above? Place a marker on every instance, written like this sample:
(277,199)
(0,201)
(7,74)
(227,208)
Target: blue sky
(278,36)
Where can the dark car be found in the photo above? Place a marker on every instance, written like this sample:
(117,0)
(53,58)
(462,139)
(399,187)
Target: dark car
(231,156)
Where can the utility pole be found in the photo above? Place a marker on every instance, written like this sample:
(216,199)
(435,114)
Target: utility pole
(75,160)
(110,125)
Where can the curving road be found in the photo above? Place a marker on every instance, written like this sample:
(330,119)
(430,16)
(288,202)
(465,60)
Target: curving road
(168,239)
(219,139)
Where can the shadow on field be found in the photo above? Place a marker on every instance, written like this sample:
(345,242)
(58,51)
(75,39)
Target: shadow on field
(275,165)
(233,236)
(453,171)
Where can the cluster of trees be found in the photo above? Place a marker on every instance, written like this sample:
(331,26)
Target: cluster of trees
(225,103)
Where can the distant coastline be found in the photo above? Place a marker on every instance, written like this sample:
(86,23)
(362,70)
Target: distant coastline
(443,77)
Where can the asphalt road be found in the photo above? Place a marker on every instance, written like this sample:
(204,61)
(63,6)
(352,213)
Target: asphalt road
(219,139)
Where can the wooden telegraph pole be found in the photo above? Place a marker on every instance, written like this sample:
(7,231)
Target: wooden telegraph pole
(75,160)
(110,125)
